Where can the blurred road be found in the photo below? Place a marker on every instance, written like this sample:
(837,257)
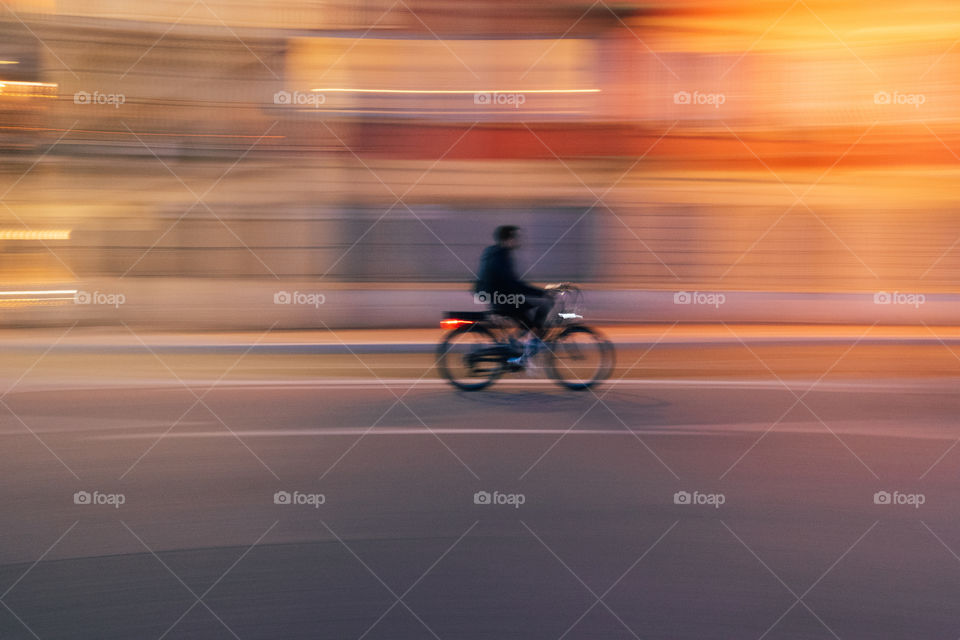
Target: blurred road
(783,446)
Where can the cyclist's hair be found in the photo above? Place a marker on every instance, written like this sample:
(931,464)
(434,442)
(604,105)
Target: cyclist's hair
(505,232)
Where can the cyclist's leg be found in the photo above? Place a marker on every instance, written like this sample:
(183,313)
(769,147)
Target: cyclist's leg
(531,315)
(519,316)
(540,310)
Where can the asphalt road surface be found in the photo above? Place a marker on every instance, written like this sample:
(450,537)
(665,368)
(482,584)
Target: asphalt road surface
(734,504)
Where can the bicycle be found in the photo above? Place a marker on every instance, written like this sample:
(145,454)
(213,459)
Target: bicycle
(475,351)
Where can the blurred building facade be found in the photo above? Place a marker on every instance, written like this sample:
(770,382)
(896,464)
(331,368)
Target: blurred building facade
(643,145)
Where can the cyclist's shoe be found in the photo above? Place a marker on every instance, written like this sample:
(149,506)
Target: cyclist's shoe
(516,346)
(528,350)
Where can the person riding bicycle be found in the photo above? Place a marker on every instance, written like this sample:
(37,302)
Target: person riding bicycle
(499,286)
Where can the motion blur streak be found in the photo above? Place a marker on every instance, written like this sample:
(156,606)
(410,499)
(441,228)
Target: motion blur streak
(772,146)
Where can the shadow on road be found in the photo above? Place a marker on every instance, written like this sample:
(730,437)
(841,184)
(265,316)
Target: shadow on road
(558,401)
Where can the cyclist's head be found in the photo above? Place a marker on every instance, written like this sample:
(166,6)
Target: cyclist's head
(507,235)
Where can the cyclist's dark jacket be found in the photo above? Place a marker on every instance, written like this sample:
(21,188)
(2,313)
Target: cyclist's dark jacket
(497,274)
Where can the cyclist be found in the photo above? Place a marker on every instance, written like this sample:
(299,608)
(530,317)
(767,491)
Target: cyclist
(499,285)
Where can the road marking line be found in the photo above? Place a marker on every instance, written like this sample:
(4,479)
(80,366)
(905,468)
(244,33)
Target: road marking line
(892,429)
(939,386)
(411,431)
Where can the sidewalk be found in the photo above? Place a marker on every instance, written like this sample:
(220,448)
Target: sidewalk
(124,340)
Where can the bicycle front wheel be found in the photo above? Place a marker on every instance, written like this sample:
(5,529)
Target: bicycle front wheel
(580,357)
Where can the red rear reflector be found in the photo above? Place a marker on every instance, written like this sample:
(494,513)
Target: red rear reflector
(453,323)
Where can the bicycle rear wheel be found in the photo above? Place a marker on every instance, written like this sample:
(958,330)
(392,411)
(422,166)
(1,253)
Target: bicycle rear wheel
(470,358)
(580,357)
